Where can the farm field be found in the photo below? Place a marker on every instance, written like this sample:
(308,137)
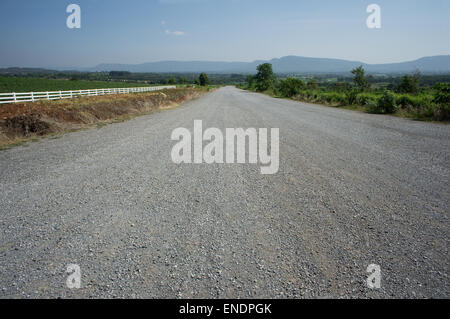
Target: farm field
(16,84)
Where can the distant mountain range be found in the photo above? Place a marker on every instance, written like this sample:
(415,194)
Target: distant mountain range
(288,64)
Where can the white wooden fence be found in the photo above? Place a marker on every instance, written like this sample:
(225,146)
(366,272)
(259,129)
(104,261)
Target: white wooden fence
(56,95)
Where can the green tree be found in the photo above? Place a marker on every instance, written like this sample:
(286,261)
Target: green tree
(291,87)
(171,81)
(409,84)
(203,79)
(360,78)
(265,78)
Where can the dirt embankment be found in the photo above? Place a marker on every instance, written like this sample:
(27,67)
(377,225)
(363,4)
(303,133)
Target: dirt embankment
(24,121)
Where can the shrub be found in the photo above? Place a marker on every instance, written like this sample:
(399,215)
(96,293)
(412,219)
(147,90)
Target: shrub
(417,102)
(351,97)
(332,98)
(308,95)
(427,111)
(203,79)
(364,98)
(404,101)
(372,105)
(250,81)
(442,95)
(384,105)
(442,98)
(442,112)
(290,87)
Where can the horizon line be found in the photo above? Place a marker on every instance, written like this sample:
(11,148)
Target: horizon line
(67,68)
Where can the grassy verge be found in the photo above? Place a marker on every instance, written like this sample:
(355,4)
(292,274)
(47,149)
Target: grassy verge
(24,122)
(421,107)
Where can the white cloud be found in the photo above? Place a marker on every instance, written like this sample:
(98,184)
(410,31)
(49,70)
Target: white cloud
(177,33)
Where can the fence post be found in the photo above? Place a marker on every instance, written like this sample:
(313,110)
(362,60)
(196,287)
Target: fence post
(60,95)
(15,98)
(32,97)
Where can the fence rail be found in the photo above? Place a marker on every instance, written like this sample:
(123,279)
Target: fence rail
(57,95)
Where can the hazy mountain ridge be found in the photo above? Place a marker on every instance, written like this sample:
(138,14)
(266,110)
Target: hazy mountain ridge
(287,64)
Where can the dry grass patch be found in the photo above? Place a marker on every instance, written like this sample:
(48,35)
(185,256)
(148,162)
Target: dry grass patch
(23,121)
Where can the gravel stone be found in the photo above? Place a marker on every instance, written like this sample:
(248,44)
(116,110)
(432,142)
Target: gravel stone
(353,189)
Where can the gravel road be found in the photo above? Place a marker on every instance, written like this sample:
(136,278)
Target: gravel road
(352,189)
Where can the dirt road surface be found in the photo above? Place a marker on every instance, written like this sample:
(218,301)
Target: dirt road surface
(352,190)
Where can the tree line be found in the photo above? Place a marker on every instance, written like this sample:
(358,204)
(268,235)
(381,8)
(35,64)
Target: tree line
(407,97)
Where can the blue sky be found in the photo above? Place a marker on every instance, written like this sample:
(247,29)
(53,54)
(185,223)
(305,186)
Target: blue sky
(33,33)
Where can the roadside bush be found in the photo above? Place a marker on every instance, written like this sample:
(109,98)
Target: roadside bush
(351,96)
(385,104)
(442,95)
(363,98)
(442,98)
(426,112)
(290,87)
(250,82)
(442,112)
(404,101)
(307,95)
(333,98)
(372,105)
(414,102)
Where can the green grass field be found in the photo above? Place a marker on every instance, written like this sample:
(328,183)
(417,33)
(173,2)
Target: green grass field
(14,84)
